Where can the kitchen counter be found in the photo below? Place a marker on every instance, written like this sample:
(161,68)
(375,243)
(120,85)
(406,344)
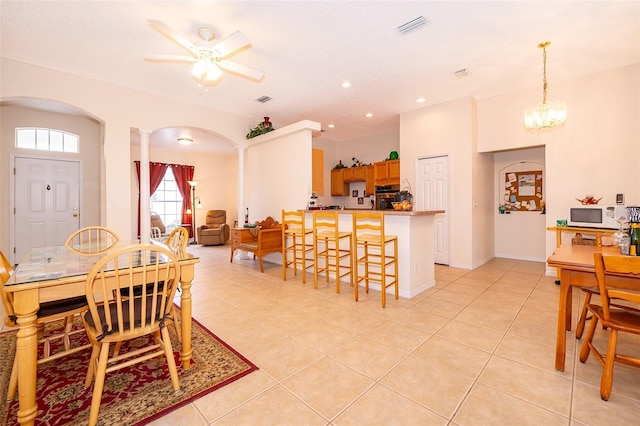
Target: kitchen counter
(386,212)
(414,229)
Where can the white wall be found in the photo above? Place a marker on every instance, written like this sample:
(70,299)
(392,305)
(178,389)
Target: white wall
(120,109)
(596,152)
(278,171)
(445,129)
(216,174)
(89,156)
(519,235)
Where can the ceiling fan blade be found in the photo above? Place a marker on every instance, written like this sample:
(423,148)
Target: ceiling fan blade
(234,42)
(163,29)
(241,69)
(169,58)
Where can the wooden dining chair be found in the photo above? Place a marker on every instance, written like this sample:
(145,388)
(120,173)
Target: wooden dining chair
(178,240)
(48,312)
(119,319)
(625,319)
(92,240)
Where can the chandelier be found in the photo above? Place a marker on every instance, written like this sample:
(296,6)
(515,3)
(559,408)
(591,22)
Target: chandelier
(547,114)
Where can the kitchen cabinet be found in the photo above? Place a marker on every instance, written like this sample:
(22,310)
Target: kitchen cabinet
(338,186)
(317,174)
(369,178)
(387,172)
(354,174)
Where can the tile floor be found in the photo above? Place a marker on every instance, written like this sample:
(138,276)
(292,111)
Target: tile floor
(477,349)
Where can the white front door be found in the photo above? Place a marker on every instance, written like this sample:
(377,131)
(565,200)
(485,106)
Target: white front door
(47,203)
(433,194)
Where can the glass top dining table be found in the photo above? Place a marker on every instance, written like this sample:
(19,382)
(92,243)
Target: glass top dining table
(51,273)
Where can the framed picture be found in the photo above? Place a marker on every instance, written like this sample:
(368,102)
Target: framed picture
(360,200)
(354,193)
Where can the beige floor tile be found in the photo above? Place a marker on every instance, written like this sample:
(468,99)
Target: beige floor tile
(384,407)
(223,400)
(398,336)
(478,337)
(323,336)
(535,353)
(457,298)
(434,387)
(369,357)
(274,407)
(488,406)
(589,409)
(284,357)
(420,320)
(253,336)
(453,356)
(327,386)
(548,390)
(626,379)
(184,416)
(439,307)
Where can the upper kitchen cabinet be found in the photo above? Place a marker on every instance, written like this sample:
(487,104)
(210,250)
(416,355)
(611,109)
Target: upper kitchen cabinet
(338,186)
(387,172)
(317,174)
(355,174)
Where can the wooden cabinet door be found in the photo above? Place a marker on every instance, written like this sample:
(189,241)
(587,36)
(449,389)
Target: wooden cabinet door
(380,173)
(359,174)
(387,172)
(394,171)
(338,186)
(347,174)
(369,179)
(317,174)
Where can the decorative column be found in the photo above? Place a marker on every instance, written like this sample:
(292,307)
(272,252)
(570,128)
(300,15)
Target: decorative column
(241,254)
(145,196)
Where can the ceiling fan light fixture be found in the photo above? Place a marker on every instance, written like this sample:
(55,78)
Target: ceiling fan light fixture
(185,141)
(547,114)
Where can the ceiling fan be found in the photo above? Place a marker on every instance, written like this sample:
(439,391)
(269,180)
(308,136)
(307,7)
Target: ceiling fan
(207,57)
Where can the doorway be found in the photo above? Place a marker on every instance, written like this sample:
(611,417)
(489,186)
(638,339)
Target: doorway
(432,178)
(46,199)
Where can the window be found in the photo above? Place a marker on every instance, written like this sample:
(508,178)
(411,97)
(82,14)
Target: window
(167,201)
(46,140)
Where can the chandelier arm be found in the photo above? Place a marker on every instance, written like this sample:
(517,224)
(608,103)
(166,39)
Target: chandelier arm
(544,74)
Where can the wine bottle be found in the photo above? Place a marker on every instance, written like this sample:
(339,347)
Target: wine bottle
(246,216)
(634,235)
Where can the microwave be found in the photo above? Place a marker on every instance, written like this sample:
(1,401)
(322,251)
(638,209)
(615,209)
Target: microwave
(595,216)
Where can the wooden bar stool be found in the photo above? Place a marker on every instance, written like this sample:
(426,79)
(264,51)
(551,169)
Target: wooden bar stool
(326,245)
(301,250)
(374,263)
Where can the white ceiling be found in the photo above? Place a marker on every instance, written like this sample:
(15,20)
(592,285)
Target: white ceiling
(308,48)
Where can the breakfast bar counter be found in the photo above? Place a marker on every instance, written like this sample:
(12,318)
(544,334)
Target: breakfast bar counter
(415,233)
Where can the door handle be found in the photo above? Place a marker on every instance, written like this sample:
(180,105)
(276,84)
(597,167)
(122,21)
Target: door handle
(75,212)
(75,215)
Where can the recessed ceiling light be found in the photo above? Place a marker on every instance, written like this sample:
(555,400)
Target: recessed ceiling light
(331,126)
(185,141)
(369,115)
(420,100)
(346,85)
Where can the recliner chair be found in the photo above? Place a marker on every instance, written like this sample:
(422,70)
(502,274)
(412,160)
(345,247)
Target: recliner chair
(215,231)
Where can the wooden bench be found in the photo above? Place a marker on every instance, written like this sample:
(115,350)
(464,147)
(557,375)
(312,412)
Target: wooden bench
(265,238)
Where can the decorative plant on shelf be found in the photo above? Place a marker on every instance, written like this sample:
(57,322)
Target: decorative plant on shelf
(261,129)
(589,199)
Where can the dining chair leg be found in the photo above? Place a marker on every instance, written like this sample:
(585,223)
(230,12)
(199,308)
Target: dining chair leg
(583,315)
(93,362)
(176,323)
(607,373)
(13,380)
(586,349)
(171,362)
(98,385)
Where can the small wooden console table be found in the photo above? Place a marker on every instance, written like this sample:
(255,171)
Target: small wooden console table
(598,232)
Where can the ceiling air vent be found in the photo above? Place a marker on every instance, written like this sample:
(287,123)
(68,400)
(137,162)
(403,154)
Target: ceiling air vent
(462,74)
(263,99)
(414,24)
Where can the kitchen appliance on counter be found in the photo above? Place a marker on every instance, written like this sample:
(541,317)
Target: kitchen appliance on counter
(385,196)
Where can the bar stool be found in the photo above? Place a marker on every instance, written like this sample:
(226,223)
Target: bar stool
(368,233)
(301,250)
(326,245)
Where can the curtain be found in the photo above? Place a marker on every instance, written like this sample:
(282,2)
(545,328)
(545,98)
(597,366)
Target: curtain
(183,174)
(156,173)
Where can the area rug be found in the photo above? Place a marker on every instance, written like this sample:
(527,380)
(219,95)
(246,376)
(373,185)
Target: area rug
(134,395)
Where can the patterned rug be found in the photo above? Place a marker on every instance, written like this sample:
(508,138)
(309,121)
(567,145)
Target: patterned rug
(134,395)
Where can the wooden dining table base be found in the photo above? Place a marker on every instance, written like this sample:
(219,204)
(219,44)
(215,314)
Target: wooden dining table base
(27,299)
